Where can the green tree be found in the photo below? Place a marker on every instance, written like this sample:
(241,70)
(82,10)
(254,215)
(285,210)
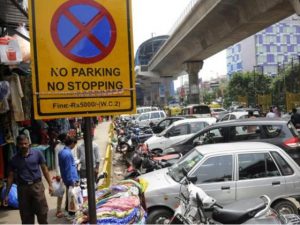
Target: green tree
(208,96)
(287,80)
(248,84)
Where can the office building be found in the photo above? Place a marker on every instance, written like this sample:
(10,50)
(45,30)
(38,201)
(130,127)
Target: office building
(267,50)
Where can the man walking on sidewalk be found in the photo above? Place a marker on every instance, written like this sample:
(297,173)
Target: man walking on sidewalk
(68,169)
(81,157)
(31,192)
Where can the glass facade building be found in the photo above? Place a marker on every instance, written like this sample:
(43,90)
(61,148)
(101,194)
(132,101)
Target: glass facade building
(148,49)
(267,49)
(143,56)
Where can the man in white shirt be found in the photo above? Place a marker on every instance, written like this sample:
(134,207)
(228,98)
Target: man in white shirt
(271,114)
(81,157)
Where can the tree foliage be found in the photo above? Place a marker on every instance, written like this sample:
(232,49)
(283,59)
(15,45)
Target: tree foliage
(249,84)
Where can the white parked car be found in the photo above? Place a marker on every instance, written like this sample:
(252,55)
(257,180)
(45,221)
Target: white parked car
(218,112)
(153,117)
(177,132)
(237,115)
(227,172)
(143,109)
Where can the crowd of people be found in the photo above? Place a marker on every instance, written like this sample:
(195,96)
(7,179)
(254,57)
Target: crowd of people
(25,170)
(274,112)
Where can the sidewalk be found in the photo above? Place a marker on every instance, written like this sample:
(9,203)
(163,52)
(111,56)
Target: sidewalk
(13,217)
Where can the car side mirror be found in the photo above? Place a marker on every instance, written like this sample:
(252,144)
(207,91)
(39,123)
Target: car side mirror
(192,179)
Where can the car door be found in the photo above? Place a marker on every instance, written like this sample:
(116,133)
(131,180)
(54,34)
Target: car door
(225,118)
(290,175)
(162,125)
(176,134)
(258,174)
(155,117)
(216,177)
(212,136)
(197,126)
(143,119)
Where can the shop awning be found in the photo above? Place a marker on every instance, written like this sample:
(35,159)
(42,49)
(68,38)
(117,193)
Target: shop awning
(12,14)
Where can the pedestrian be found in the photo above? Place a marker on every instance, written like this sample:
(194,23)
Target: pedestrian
(25,167)
(251,129)
(260,110)
(271,114)
(59,146)
(295,118)
(81,157)
(277,111)
(68,169)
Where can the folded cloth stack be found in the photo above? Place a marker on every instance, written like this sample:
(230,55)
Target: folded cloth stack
(118,204)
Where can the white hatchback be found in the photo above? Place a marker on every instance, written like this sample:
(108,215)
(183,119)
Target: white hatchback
(152,117)
(177,132)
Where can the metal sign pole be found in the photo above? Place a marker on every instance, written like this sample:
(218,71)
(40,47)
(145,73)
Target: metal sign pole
(87,135)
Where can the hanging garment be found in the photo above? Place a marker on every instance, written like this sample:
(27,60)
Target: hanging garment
(4,94)
(16,97)
(27,101)
(6,127)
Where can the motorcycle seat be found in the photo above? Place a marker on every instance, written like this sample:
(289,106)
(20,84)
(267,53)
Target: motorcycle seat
(238,212)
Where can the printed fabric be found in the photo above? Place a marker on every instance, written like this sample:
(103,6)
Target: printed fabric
(118,204)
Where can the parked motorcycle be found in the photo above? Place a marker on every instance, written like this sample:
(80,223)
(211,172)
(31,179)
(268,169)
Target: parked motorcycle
(193,209)
(144,161)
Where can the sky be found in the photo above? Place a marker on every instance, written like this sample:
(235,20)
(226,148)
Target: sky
(157,17)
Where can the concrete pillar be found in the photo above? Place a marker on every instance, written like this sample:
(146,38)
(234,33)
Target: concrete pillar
(155,93)
(166,81)
(296,5)
(193,68)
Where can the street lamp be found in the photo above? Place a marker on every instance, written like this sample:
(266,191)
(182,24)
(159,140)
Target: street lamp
(260,70)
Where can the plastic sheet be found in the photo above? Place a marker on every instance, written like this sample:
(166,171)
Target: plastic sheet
(12,196)
(58,187)
(23,44)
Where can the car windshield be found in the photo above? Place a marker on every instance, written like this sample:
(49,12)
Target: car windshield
(201,110)
(165,131)
(187,162)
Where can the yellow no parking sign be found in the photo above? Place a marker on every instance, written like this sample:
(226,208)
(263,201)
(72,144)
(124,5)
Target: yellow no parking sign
(82,59)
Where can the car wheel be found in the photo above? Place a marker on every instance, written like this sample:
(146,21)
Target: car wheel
(159,216)
(285,207)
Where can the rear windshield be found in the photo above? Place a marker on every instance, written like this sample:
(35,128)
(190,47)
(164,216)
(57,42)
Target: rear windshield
(218,110)
(201,110)
(272,131)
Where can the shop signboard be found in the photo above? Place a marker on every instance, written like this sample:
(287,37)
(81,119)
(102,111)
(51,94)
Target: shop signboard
(82,61)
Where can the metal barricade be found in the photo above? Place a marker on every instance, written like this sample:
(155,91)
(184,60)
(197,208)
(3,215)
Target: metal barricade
(108,161)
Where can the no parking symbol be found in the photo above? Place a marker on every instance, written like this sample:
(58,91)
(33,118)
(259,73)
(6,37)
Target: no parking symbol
(83,31)
(82,60)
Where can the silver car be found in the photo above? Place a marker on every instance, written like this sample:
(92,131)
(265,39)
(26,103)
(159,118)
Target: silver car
(146,118)
(227,172)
